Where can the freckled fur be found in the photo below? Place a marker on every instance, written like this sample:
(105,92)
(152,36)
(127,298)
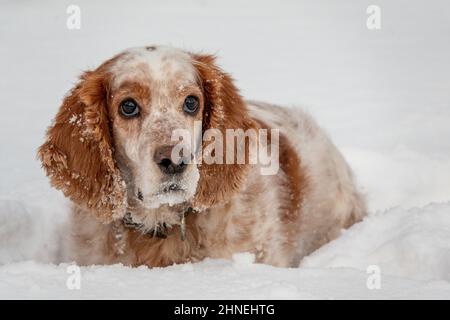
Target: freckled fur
(98,159)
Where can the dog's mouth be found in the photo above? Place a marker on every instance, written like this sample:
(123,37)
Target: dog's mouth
(171,187)
(169,193)
(157,212)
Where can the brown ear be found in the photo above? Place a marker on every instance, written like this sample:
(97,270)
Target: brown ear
(224,109)
(77,155)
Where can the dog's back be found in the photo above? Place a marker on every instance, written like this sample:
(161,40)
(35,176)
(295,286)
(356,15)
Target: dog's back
(330,200)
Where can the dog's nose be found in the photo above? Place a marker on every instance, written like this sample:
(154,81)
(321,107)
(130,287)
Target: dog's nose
(163,158)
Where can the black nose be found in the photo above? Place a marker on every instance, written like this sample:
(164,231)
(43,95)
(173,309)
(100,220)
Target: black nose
(163,158)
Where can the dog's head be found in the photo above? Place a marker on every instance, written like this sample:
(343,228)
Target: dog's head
(111,147)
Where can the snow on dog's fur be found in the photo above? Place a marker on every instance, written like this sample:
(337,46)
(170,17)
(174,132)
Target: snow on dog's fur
(106,164)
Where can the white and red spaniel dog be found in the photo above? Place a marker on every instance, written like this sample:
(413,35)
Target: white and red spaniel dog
(110,151)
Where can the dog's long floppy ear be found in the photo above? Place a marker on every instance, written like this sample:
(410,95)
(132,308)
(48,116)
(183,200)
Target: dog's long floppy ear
(224,109)
(77,154)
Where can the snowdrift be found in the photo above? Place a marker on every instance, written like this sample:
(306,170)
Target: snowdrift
(411,248)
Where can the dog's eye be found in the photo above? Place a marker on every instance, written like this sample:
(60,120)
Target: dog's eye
(190,104)
(129,108)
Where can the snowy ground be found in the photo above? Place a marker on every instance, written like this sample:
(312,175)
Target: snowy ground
(384,97)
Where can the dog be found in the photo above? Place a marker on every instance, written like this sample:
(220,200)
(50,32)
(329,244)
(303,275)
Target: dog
(110,150)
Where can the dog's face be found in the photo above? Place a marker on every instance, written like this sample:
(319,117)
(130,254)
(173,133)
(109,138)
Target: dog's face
(111,148)
(154,93)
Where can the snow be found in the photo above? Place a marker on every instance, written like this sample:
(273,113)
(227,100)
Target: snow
(382,95)
(411,243)
(243,259)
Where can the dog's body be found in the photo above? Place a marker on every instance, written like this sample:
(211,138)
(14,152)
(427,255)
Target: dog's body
(232,208)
